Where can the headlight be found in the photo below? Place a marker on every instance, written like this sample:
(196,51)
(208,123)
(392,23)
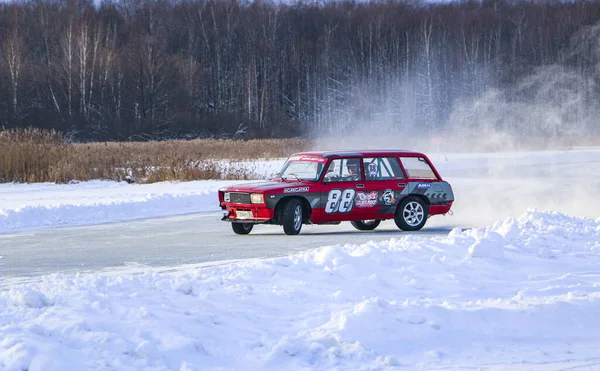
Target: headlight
(226,197)
(257,198)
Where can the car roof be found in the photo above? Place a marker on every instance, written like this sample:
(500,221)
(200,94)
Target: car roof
(360,153)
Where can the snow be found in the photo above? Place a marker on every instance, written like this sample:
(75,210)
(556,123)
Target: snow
(516,287)
(42,205)
(489,244)
(32,206)
(480,296)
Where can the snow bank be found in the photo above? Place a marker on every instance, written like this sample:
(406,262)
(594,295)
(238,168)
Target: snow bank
(479,297)
(490,244)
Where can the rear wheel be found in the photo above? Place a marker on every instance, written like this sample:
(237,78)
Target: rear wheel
(291,217)
(365,225)
(242,228)
(411,214)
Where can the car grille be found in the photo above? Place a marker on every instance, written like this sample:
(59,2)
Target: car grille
(239,198)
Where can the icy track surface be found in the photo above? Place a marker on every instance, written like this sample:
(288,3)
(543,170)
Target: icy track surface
(522,293)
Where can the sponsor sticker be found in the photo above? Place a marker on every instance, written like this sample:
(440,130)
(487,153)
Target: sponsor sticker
(364,199)
(372,170)
(388,197)
(308,159)
(423,185)
(295,190)
(436,196)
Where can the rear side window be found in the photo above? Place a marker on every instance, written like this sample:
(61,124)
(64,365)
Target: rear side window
(417,167)
(382,168)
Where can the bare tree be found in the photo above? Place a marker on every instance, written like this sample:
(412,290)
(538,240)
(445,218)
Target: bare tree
(14,54)
(151,68)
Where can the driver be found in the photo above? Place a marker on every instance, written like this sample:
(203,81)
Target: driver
(353,166)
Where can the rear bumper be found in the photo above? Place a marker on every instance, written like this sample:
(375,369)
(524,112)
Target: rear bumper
(260,213)
(440,209)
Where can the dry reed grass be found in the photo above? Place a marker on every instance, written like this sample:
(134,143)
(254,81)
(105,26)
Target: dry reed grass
(33,155)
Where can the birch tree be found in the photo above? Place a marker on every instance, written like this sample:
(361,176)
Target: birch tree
(14,55)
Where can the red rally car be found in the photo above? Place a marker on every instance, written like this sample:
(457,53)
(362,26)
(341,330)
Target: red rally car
(363,187)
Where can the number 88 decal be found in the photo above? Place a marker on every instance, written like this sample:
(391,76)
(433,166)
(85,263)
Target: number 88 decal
(340,201)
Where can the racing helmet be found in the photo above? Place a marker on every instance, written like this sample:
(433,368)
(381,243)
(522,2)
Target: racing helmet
(353,164)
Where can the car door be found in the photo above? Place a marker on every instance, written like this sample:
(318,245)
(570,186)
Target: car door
(384,181)
(339,189)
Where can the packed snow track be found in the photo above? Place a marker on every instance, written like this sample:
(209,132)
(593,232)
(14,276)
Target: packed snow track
(189,239)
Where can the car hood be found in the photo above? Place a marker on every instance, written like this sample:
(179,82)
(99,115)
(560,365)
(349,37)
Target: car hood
(269,185)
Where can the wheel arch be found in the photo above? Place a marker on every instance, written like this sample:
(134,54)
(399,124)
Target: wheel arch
(420,197)
(306,208)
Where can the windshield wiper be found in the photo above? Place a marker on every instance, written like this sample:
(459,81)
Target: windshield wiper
(295,176)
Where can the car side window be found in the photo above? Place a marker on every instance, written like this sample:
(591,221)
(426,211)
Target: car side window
(417,168)
(343,170)
(382,168)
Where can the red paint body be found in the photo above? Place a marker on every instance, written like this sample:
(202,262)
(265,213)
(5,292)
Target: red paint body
(318,193)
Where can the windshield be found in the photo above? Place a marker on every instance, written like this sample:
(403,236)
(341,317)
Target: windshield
(305,168)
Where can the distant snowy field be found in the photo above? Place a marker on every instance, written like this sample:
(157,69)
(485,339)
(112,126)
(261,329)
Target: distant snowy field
(520,292)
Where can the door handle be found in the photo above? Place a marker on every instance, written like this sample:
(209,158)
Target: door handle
(401,184)
(360,186)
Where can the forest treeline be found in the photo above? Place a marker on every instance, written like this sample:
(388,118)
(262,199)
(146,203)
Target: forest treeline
(156,69)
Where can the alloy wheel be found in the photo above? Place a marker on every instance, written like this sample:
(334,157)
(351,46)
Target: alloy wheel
(413,213)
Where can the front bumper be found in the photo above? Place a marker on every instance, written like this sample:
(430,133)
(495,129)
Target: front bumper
(246,213)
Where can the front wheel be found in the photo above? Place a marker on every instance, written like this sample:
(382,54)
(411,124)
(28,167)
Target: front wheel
(365,225)
(411,214)
(242,228)
(292,217)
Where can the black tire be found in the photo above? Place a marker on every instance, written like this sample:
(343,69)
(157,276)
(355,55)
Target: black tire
(242,228)
(365,225)
(292,216)
(411,214)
